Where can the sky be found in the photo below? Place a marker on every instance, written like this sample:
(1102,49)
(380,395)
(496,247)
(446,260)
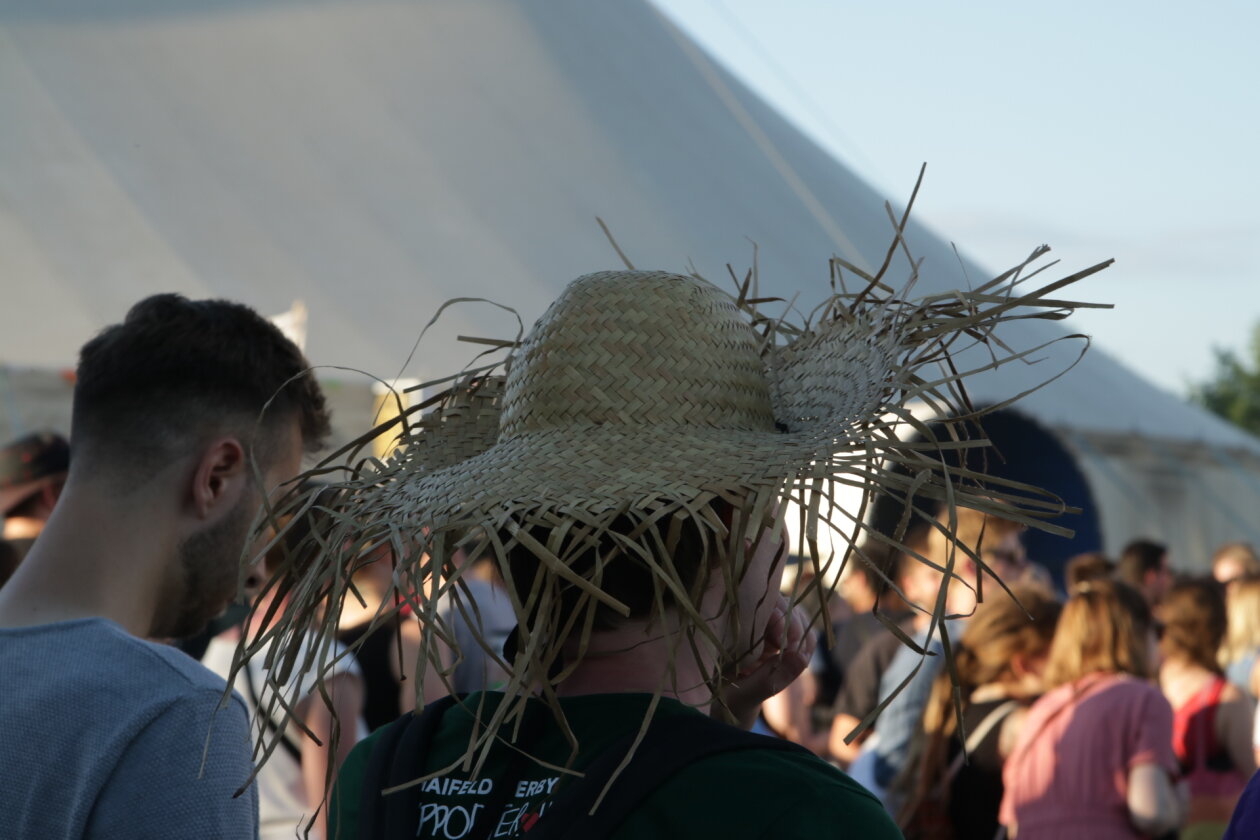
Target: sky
(1119,129)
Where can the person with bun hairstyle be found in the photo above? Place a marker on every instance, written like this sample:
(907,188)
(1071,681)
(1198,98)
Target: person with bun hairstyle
(1211,717)
(1094,756)
(999,663)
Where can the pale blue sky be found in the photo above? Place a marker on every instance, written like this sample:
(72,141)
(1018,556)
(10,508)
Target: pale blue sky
(1114,129)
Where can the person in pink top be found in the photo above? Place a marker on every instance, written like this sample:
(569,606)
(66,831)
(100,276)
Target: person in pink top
(1094,758)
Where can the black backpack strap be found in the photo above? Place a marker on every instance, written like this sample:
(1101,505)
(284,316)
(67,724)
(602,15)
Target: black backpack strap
(396,758)
(671,744)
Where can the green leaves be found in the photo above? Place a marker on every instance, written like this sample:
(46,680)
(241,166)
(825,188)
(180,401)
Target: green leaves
(1233,392)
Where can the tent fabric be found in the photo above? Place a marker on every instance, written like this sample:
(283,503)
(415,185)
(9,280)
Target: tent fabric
(374,158)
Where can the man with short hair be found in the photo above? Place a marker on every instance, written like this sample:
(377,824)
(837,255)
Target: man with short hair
(1144,566)
(107,734)
(685,546)
(32,472)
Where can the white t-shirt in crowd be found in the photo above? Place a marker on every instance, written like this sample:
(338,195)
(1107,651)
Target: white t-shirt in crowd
(282,799)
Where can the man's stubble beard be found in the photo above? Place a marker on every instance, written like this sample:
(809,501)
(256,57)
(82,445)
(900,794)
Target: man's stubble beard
(206,576)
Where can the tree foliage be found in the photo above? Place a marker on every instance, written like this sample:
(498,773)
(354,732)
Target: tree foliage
(1233,392)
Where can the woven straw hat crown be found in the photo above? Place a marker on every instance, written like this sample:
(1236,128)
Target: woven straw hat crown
(638,385)
(638,349)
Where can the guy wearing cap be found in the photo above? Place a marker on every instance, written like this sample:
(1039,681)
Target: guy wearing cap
(106,734)
(627,475)
(32,471)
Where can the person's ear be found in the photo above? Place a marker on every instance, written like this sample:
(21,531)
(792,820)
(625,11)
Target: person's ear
(221,475)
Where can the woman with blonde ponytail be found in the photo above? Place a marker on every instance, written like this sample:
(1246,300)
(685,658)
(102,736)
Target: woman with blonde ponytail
(999,663)
(1094,757)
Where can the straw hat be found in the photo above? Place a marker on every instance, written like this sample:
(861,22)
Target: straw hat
(641,385)
(638,400)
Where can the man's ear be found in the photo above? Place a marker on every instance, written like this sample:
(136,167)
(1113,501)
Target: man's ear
(220,476)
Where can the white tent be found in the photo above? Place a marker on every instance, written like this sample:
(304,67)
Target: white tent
(374,158)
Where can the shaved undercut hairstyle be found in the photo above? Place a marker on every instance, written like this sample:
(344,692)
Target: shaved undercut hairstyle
(178,372)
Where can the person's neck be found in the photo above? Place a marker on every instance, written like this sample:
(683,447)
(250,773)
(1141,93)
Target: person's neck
(96,557)
(641,658)
(1177,671)
(22,528)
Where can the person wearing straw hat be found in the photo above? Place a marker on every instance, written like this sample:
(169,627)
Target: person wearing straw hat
(184,415)
(628,474)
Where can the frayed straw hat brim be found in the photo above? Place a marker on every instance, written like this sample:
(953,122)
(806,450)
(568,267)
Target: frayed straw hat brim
(651,394)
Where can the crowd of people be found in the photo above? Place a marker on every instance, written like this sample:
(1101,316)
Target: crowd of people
(1125,707)
(1121,706)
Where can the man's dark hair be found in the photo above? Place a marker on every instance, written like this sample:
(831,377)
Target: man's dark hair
(1138,558)
(622,573)
(176,368)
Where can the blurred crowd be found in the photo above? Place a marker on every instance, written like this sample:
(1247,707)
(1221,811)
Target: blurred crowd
(1130,694)
(1136,686)
(952,677)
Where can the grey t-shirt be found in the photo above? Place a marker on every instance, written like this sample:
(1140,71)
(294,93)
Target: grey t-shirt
(104,736)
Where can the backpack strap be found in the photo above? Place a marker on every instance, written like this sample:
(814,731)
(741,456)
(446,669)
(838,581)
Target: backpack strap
(672,743)
(391,762)
(992,720)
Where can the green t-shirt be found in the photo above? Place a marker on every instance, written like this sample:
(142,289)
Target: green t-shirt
(748,793)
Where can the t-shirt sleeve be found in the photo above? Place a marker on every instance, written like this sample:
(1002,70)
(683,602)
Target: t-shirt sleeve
(1151,735)
(340,662)
(161,788)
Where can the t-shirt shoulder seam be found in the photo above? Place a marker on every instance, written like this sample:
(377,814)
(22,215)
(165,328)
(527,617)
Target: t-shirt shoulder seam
(190,672)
